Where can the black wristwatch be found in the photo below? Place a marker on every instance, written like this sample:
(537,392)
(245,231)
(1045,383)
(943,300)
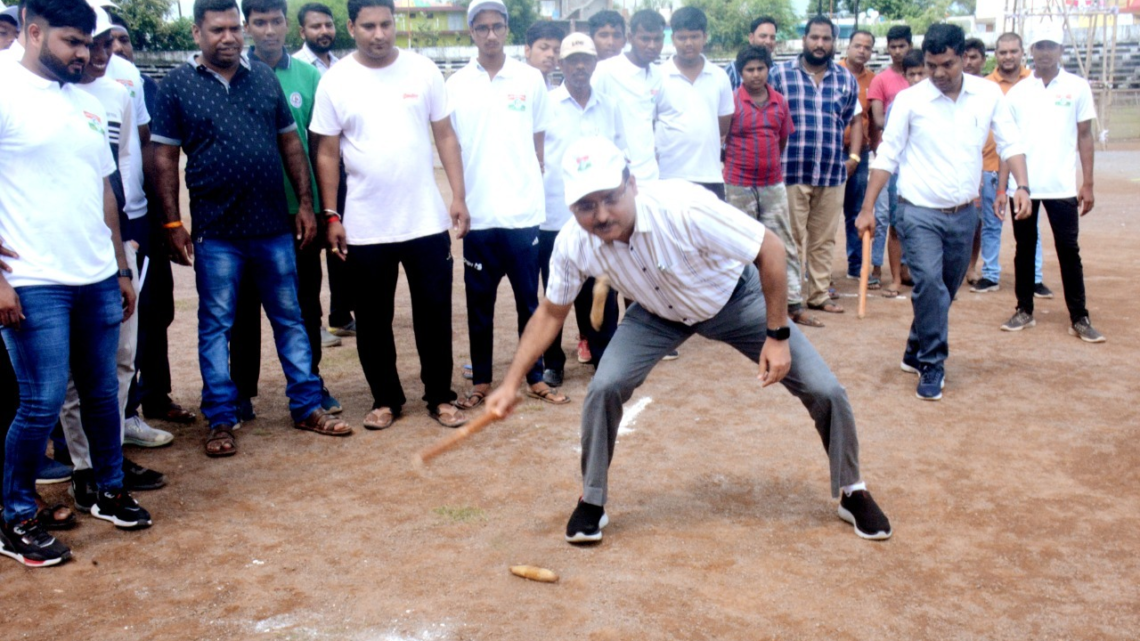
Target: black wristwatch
(126,273)
(1025,187)
(781,334)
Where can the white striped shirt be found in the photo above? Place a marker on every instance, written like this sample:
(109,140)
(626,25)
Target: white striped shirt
(682,262)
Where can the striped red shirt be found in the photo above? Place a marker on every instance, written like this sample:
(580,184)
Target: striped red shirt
(752,150)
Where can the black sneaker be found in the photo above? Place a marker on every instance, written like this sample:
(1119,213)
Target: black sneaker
(245,410)
(586,523)
(28,543)
(1041,291)
(860,510)
(911,364)
(137,478)
(122,510)
(83,490)
(985,285)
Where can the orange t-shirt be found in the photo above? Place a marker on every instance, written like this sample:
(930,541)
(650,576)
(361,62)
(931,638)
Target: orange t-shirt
(990,158)
(864,79)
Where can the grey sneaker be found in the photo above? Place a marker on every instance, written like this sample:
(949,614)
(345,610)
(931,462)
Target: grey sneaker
(328,339)
(137,432)
(1084,330)
(1019,321)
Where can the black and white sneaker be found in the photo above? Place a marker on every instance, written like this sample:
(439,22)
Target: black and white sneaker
(860,510)
(137,478)
(586,523)
(122,510)
(28,543)
(83,490)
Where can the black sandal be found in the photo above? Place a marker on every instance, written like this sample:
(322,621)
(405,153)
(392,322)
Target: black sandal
(48,519)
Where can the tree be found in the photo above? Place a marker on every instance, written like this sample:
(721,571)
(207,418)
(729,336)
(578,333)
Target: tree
(729,20)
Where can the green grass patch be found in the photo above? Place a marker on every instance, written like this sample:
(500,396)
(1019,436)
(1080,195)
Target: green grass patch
(457,514)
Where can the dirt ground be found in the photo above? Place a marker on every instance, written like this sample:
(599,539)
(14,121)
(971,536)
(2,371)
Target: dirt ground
(1014,500)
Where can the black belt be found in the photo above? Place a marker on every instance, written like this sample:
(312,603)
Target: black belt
(945,210)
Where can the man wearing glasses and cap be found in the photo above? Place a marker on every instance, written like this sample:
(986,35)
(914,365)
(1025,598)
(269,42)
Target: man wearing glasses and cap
(695,265)
(500,115)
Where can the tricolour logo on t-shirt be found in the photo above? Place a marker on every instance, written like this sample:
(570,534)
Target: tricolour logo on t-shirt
(1063,100)
(295,99)
(128,84)
(516,101)
(95,123)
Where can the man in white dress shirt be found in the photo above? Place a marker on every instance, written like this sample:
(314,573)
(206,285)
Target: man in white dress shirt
(934,141)
(696,266)
(1059,105)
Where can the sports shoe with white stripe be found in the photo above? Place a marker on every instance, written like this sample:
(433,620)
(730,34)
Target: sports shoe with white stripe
(121,510)
(29,544)
(860,510)
(586,523)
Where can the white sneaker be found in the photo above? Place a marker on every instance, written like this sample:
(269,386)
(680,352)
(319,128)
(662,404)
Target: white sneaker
(137,432)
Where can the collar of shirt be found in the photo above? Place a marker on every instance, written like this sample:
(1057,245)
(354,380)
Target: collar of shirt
(199,67)
(996,76)
(35,80)
(625,66)
(562,94)
(282,63)
(508,70)
(306,54)
(833,69)
(862,74)
(927,91)
(674,70)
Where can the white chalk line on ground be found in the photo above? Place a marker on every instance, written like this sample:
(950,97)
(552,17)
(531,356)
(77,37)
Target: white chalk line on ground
(631,414)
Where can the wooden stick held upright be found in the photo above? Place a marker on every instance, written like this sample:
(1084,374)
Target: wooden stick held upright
(477,424)
(864,274)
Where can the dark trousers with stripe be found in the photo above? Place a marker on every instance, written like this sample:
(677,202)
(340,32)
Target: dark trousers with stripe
(597,339)
(1065,221)
(488,256)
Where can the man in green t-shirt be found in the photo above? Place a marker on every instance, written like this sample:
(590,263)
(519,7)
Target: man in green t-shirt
(266,24)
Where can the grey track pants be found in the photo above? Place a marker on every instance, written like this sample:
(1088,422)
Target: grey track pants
(643,339)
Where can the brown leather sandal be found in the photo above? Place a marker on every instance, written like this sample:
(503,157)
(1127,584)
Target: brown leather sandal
(324,423)
(221,442)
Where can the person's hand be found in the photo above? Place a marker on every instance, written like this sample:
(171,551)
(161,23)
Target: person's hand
(775,361)
(1021,205)
(865,221)
(460,218)
(502,401)
(129,297)
(10,311)
(338,240)
(1001,201)
(851,167)
(306,224)
(1085,201)
(6,253)
(181,246)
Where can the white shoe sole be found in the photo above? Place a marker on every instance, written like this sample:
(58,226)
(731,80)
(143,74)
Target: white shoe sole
(907,368)
(122,525)
(20,558)
(1072,332)
(166,440)
(53,481)
(932,398)
(846,515)
(581,537)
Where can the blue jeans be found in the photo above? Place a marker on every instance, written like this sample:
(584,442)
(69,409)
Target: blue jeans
(886,216)
(272,262)
(65,329)
(991,233)
(852,202)
(937,249)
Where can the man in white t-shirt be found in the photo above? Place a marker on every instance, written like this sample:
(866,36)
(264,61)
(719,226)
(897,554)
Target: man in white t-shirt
(690,130)
(116,101)
(576,112)
(500,115)
(69,287)
(1059,106)
(635,82)
(375,108)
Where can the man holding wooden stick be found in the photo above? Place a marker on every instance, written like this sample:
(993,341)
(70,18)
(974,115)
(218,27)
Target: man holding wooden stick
(696,265)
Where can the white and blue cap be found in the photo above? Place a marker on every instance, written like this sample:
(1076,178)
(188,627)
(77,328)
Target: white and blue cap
(102,21)
(485,5)
(13,14)
(589,165)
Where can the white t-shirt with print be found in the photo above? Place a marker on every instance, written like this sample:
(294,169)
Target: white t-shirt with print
(54,155)
(1047,118)
(126,74)
(383,119)
(496,120)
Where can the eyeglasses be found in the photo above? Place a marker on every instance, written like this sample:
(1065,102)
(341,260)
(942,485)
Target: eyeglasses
(589,208)
(482,30)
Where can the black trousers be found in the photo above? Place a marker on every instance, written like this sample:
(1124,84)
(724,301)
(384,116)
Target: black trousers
(374,269)
(341,298)
(599,339)
(1065,221)
(9,397)
(488,256)
(245,337)
(716,188)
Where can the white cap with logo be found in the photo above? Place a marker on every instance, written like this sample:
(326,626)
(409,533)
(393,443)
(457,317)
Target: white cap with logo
(1045,29)
(589,165)
(577,42)
(485,5)
(102,21)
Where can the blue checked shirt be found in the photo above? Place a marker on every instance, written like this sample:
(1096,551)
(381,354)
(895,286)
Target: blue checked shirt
(815,152)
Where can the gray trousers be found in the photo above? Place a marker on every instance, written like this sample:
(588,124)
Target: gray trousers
(643,339)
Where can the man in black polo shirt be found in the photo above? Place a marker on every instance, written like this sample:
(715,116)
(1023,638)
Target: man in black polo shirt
(232,119)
